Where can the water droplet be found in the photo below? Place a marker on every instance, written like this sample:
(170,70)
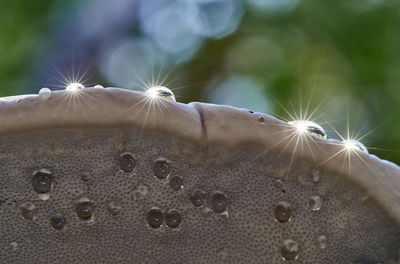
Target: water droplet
(278,183)
(261,119)
(173,218)
(352,144)
(44,93)
(28,210)
(10,204)
(315,203)
(197,198)
(316,175)
(283,212)
(176,183)
(155,217)
(85,176)
(74,87)
(114,208)
(98,86)
(303,126)
(84,209)
(127,162)
(14,245)
(218,202)
(42,183)
(58,221)
(160,91)
(289,250)
(161,168)
(140,191)
(322,241)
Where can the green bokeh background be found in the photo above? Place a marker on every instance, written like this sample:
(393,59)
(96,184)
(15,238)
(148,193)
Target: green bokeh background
(341,55)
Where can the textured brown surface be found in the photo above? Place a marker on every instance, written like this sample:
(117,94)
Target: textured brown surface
(212,148)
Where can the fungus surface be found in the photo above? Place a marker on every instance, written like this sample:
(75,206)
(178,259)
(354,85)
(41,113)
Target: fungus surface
(248,196)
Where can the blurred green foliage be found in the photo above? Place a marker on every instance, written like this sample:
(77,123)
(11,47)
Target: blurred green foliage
(342,55)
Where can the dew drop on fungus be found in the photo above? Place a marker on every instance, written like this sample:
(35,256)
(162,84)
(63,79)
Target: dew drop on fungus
(154,217)
(173,218)
(14,245)
(176,183)
(84,209)
(197,198)
(74,87)
(278,183)
(44,93)
(42,183)
(10,204)
(140,191)
(161,168)
(303,126)
(352,144)
(160,91)
(283,212)
(98,86)
(114,208)
(315,203)
(289,250)
(127,162)
(322,241)
(85,176)
(58,221)
(316,175)
(218,202)
(28,210)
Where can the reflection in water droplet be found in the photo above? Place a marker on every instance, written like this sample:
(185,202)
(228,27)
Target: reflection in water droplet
(160,91)
(322,241)
(28,210)
(140,191)
(44,93)
(303,126)
(58,221)
(127,162)
(197,197)
(84,209)
(218,202)
(14,245)
(161,168)
(173,218)
(352,144)
(283,212)
(278,183)
(114,208)
(155,217)
(315,203)
(316,175)
(289,250)
(42,183)
(176,183)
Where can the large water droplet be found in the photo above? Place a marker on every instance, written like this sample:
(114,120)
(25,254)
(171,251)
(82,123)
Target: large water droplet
(289,250)
(44,93)
(114,208)
(74,87)
(352,144)
(98,86)
(127,162)
(84,209)
(315,203)
(160,91)
(58,221)
(28,210)
(322,241)
(173,218)
(283,212)
(197,198)
(161,168)
(176,183)
(303,126)
(218,202)
(140,191)
(42,183)
(155,217)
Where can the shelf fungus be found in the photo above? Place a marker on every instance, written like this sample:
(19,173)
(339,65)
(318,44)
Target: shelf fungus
(198,164)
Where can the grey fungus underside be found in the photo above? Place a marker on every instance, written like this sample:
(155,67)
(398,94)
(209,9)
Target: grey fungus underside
(224,186)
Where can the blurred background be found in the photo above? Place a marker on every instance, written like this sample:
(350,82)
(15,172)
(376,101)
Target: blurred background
(342,58)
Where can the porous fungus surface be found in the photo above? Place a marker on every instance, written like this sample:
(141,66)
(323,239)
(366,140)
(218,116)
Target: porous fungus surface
(106,203)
